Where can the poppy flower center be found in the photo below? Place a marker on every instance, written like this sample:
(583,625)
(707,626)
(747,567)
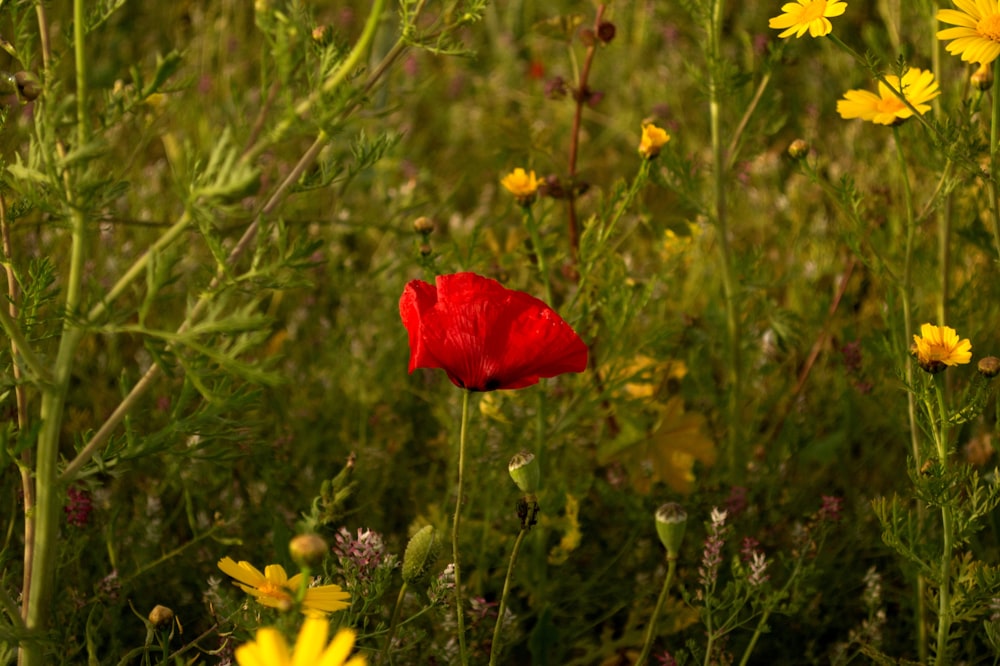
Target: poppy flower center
(989,27)
(813,11)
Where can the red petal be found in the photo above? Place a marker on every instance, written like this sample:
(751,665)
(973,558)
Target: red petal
(486,336)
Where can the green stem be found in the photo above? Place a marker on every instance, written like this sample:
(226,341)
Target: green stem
(906,289)
(495,646)
(948,529)
(733,369)
(384,659)
(995,162)
(536,240)
(460,491)
(661,602)
(48,490)
(633,190)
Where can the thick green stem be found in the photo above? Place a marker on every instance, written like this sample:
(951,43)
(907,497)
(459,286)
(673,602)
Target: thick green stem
(661,603)
(456,521)
(48,491)
(495,646)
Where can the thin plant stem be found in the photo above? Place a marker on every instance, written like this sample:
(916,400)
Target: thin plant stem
(661,603)
(393,623)
(495,646)
(948,536)
(995,163)
(906,289)
(455,525)
(574,144)
(536,241)
(733,370)
(27,485)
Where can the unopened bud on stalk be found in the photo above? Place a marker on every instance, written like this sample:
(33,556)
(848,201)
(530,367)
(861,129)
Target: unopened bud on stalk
(161,616)
(989,366)
(525,472)
(423,225)
(798,149)
(308,550)
(671,521)
(982,78)
(606,31)
(28,86)
(421,553)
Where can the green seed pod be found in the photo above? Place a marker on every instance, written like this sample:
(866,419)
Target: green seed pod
(671,520)
(525,471)
(421,553)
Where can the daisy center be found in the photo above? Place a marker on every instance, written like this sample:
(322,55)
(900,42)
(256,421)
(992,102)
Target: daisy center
(989,27)
(890,105)
(269,589)
(813,11)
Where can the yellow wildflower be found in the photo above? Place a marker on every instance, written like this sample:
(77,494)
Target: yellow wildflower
(938,347)
(917,85)
(811,15)
(275,589)
(653,139)
(523,185)
(270,649)
(976,37)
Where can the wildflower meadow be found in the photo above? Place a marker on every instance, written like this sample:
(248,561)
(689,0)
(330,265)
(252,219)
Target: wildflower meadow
(449,332)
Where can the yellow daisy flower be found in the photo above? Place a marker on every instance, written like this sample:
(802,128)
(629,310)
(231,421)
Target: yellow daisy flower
(523,185)
(886,108)
(811,15)
(938,346)
(270,649)
(977,37)
(653,139)
(275,589)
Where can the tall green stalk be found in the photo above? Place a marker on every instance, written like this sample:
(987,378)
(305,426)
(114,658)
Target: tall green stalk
(501,609)
(733,369)
(995,163)
(48,491)
(941,435)
(456,521)
(661,603)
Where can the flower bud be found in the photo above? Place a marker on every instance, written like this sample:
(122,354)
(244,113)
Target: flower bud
(423,225)
(989,366)
(421,552)
(606,31)
(798,149)
(28,86)
(307,550)
(671,520)
(982,78)
(525,472)
(160,616)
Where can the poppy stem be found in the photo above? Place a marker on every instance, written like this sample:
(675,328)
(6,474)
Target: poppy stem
(497,629)
(459,610)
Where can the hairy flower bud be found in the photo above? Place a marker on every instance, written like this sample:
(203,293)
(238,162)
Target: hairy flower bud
(671,521)
(982,78)
(421,552)
(606,31)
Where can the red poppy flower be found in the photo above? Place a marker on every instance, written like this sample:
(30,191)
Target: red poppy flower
(485,336)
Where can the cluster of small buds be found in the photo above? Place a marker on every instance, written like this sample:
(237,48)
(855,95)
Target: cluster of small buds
(364,554)
(873,589)
(441,590)
(711,557)
(665,659)
(736,503)
(78,506)
(110,586)
(831,509)
(758,570)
